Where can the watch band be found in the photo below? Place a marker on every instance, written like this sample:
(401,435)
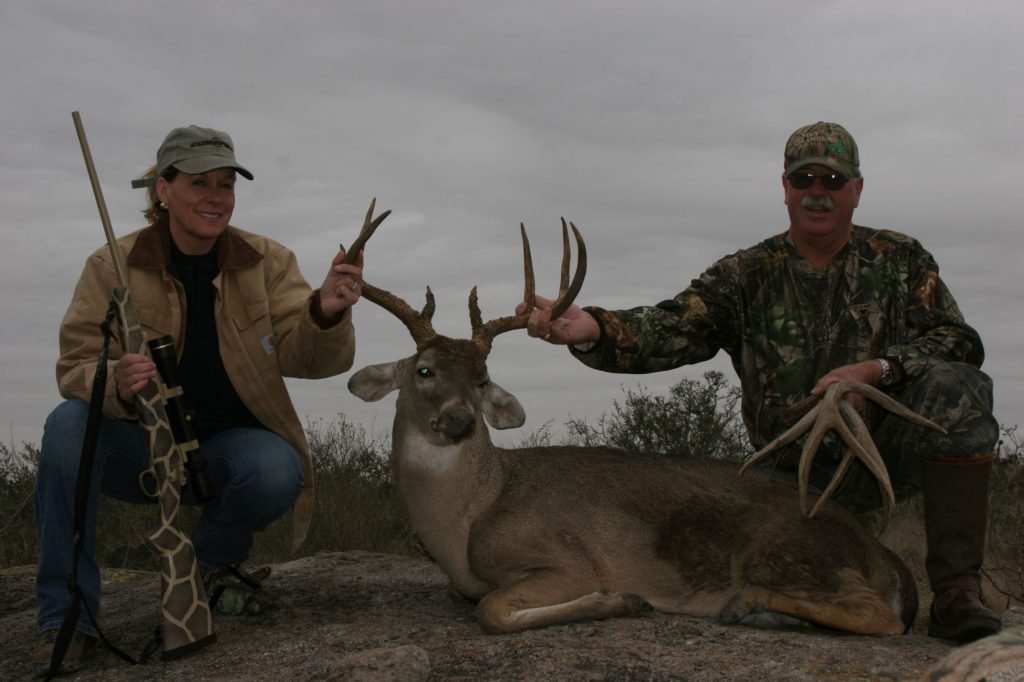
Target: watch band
(888,377)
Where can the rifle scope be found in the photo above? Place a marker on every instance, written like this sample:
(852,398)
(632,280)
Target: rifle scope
(166,360)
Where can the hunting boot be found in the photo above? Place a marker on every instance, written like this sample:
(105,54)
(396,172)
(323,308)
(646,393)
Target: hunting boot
(955,519)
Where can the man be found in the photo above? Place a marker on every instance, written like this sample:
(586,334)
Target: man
(823,302)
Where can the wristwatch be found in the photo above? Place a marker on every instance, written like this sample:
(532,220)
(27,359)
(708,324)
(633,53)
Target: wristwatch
(888,377)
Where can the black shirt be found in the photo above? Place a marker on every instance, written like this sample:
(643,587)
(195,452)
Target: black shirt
(208,390)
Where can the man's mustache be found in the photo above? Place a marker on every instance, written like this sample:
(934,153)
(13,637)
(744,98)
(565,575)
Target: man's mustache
(823,202)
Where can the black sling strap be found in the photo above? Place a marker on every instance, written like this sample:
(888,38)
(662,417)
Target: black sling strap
(85,468)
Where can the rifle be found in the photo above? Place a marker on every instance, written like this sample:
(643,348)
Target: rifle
(187,622)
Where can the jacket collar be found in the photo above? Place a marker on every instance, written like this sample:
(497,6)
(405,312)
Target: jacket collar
(152,249)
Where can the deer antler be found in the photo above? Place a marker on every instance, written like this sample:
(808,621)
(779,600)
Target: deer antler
(369,226)
(835,413)
(484,332)
(418,323)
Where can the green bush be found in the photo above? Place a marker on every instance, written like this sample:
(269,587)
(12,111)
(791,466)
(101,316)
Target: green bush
(697,417)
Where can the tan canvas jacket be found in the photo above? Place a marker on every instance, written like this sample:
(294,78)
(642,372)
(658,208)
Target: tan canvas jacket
(264,325)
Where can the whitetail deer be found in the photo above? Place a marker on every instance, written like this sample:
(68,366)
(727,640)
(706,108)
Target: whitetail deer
(545,535)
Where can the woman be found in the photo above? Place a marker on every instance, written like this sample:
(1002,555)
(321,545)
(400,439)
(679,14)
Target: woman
(242,318)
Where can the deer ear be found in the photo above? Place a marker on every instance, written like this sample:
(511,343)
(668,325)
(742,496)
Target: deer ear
(374,381)
(501,409)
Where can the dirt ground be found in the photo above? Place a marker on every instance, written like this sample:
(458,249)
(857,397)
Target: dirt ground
(365,616)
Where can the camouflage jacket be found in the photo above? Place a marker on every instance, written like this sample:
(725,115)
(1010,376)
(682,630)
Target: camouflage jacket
(785,324)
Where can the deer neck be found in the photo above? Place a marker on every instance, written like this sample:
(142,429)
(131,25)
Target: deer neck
(420,461)
(445,488)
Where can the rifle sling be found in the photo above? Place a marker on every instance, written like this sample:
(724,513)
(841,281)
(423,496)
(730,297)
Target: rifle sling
(82,485)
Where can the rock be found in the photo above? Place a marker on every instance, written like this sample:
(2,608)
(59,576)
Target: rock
(998,658)
(362,616)
(396,664)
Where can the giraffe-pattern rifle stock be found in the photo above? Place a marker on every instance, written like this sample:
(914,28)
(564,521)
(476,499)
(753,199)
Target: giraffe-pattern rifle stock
(187,622)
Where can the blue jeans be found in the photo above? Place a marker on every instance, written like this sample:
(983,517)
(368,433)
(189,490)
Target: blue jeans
(256,476)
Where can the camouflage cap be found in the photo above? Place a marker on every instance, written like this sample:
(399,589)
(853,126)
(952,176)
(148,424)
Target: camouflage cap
(195,150)
(827,144)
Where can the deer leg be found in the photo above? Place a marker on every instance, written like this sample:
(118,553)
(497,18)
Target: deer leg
(855,607)
(548,599)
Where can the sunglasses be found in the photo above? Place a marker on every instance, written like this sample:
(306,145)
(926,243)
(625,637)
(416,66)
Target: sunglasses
(830,181)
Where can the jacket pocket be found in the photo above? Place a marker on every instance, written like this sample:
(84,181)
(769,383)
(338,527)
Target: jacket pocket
(156,321)
(256,333)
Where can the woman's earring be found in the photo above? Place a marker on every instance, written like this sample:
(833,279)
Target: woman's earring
(163,205)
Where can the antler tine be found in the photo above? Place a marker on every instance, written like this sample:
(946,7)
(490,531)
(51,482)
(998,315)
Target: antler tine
(418,323)
(563,280)
(484,332)
(529,281)
(567,296)
(369,226)
(475,319)
(834,413)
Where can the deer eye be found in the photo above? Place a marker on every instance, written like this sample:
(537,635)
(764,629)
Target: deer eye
(424,372)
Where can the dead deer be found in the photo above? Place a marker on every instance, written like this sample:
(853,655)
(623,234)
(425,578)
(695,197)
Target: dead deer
(545,535)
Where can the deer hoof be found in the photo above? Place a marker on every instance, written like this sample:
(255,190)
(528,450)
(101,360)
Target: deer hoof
(635,603)
(742,604)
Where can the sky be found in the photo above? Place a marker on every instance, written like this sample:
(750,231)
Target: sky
(656,127)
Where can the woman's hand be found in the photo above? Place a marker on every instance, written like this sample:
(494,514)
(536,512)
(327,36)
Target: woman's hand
(342,286)
(131,373)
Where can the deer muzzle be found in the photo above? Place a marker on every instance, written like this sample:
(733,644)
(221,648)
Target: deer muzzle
(455,421)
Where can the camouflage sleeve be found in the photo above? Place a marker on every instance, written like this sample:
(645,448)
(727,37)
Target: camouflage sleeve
(689,328)
(936,330)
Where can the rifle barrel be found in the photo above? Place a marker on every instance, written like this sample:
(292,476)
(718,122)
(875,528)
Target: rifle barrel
(100,203)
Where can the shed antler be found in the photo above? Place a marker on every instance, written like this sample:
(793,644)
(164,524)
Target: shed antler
(484,332)
(832,412)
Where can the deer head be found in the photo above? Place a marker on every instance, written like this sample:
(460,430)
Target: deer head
(445,385)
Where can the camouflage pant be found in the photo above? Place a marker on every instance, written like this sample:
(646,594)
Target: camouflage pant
(956,396)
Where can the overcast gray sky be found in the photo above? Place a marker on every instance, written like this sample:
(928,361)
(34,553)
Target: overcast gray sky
(658,127)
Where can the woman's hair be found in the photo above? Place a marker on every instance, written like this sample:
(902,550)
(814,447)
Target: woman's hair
(153,211)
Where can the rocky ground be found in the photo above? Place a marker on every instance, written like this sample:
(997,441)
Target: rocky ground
(364,616)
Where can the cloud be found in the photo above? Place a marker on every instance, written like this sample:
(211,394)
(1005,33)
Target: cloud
(657,127)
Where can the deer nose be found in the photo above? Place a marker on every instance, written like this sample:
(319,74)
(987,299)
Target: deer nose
(456,422)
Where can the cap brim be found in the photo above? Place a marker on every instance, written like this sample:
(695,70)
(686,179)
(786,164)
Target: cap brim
(827,161)
(205,164)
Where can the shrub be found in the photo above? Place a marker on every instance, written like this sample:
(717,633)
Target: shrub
(357,506)
(357,501)
(698,417)
(19,543)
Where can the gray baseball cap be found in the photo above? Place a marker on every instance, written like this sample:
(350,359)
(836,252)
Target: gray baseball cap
(195,150)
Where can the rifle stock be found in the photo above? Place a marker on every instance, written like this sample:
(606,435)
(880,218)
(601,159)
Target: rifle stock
(187,621)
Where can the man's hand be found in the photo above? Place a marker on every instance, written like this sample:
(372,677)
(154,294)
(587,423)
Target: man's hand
(866,372)
(572,327)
